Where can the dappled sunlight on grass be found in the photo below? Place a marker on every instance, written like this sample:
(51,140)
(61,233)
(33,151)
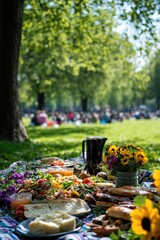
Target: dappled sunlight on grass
(65,130)
(65,141)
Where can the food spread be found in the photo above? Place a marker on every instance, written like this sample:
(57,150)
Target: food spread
(76,194)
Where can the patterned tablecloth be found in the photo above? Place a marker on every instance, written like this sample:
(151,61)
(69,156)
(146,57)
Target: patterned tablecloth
(8,224)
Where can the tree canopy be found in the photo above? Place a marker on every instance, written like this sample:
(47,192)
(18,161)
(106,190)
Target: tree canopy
(70,49)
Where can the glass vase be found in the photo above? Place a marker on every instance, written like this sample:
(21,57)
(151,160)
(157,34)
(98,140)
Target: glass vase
(126,179)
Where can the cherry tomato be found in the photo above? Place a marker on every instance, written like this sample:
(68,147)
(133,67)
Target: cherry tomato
(42,192)
(86,181)
(42,182)
(19,214)
(20,208)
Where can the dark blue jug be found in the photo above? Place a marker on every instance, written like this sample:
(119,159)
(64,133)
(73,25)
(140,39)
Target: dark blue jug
(92,149)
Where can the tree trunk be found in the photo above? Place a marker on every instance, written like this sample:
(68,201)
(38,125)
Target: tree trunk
(41,100)
(84,104)
(157,103)
(11,127)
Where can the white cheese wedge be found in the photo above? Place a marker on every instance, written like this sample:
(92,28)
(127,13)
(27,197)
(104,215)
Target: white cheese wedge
(51,223)
(67,224)
(42,227)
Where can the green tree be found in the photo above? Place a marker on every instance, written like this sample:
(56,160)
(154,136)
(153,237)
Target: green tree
(155,79)
(11,13)
(90,45)
(138,12)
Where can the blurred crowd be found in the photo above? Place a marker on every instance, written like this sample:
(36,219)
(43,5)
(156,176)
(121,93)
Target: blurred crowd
(56,118)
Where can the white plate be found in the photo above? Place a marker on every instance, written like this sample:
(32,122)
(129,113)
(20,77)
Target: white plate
(46,162)
(23,230)
(49,160)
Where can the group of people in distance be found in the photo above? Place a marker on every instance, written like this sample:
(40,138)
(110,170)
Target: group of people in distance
(40,118)
(103,116)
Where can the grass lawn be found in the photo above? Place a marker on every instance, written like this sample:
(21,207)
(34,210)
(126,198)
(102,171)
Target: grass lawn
(65,141)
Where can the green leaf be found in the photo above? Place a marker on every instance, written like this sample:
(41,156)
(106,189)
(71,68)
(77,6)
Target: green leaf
(116,236)
(139,200)
(65,185)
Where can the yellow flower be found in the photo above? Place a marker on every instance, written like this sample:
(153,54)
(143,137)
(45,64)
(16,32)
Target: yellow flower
(112,150)
(141,158)
(125,152)
(124,158)
(139,149)
(146,220)
(156,177)
(125,161)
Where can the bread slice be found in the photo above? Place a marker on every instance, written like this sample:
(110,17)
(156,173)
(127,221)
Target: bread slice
(72,206)
(119,212)
(130,192)
(121,192)
(105,184)
(36,210)
(105,204)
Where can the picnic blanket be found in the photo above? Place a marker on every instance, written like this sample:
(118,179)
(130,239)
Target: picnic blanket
(8,224)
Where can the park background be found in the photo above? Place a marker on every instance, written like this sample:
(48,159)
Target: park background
(82,56)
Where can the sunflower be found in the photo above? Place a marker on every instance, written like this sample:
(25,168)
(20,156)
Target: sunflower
(112,150)
(125,161)
(141,158)
(124,158)
(156,177)
(126,153)
(146,220)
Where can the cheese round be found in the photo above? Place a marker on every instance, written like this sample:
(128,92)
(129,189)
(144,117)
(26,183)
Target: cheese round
(67,224)
(42,227)
(55,222)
